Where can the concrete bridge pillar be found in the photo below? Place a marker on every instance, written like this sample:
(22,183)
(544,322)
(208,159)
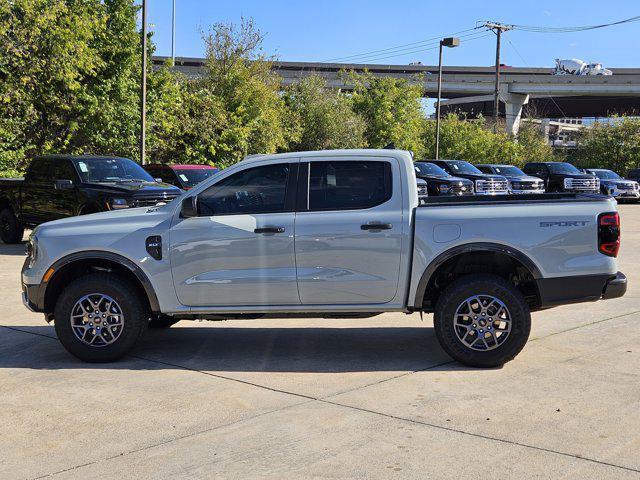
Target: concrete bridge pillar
(513,103)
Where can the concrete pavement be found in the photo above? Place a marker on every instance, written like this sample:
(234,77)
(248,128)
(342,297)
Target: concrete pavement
(370,398)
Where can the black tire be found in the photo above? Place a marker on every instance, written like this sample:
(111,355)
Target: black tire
(132,307)
(11,231)
(480,284)
(163,321)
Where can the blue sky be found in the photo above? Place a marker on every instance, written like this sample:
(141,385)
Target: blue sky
(322,30)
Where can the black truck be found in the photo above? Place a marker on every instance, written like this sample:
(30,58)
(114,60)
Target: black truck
(59,186)
(563,177)
(440,182)
(484,184)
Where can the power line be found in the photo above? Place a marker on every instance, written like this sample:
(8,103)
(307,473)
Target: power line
(391,49)
(529,28)
(435,46)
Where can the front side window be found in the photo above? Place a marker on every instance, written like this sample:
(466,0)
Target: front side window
(251,191)
(63,170)
(349,185)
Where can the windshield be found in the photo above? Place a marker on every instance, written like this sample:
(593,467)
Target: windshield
(460,166)
(562,168)
(426,168)
(193,176)
(111,170)
(605,174)
(509,170)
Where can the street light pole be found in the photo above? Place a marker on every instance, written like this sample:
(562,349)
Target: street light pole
(173,35)
(445,42)
(143,89)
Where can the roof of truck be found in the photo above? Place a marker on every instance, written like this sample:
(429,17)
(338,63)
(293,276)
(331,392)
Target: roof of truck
(318,153)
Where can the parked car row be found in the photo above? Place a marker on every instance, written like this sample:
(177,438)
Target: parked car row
(458,177)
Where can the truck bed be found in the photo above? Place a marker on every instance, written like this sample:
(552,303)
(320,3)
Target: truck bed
(511,199)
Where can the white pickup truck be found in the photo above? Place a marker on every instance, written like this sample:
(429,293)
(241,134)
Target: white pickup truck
(324,234)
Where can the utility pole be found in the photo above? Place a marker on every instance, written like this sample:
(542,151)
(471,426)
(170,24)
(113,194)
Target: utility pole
(497,28)
(143,89)
(173,35)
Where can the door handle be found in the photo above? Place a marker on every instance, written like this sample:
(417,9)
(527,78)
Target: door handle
(269,230)
(376,226)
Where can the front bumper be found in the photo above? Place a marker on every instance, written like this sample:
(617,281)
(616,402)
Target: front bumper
(526,192)
(615,193)
(33,297)
(580,288)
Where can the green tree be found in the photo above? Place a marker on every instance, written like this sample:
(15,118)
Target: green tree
(246,90)
(614,145)
(325,117)
(392,111)
(475,141)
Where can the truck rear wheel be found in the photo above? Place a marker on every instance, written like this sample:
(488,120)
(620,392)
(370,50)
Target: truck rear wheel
(482,321)
(11,231)
(99,318)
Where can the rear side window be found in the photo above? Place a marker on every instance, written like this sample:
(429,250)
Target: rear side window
(349,185)
(254,190)
(39,171)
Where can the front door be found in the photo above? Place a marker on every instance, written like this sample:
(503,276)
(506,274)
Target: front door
(349,231)
(239,250)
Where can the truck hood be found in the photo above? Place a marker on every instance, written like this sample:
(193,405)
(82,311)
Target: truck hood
(448,179)
(136,188)
(522,178)
(616,182)
(114,221)
(482,176)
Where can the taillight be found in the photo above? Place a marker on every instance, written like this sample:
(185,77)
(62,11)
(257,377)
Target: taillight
(609,233)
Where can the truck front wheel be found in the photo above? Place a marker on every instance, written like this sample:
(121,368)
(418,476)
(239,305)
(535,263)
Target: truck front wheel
(482,321)
(99,318)
(11,231)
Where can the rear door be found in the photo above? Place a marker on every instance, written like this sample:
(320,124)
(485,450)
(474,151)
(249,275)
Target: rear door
(239,250)
(349,230)
(37,189)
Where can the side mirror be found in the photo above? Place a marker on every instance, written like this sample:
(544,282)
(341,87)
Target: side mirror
(63,184)
(189,207)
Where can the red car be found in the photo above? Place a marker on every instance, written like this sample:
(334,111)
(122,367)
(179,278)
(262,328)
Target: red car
(183,176)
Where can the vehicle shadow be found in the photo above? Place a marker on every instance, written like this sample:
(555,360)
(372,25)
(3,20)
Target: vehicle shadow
(13,249)
(232,349)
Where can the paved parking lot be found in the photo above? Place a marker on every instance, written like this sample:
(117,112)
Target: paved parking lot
(372,398)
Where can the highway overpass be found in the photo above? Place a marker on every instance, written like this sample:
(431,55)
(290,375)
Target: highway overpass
(470,89)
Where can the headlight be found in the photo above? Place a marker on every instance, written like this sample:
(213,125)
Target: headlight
(443,188)
(636,186)
(567,183)
(32,250)
(119,203)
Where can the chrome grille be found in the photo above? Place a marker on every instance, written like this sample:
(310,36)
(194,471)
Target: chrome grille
(461,189)
(527,185)
(582,184)
(489,187)
(152,200)
(626,186)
